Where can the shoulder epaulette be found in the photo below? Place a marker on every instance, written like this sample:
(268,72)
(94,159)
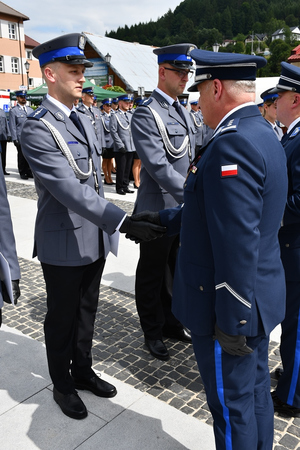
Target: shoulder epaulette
(230,125)
(38,113)
(147,102)
(294,133)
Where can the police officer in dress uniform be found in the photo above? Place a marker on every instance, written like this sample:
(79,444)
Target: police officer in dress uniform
(93,113)
(269,111)
(164,138)
(286,398)
(7,248)
(17,116)
(120,129)
(229,283)
(4,137)
(197,121)
(107,156)
(75,226)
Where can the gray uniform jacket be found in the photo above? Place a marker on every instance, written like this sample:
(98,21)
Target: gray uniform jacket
(120,129)
(95,118)
(105,119)
(70,214)
(162,175)
(4,130)
(198,124)
(7,240)
(17,117)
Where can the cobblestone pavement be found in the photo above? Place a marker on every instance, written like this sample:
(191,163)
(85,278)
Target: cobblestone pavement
(119,347)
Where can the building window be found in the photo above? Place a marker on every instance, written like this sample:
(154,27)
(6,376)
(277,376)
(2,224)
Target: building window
(30,82)
(12,31)
(14,65)
(28,54)
(1,64)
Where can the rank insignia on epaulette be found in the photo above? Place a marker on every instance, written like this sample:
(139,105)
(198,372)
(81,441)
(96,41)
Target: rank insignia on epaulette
(38,113)
(231,125)
(147,102)
(295,132)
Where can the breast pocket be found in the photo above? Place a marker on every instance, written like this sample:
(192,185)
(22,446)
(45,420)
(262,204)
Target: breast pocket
(176,134)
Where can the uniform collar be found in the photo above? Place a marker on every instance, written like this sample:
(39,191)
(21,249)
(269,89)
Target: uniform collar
(60,105)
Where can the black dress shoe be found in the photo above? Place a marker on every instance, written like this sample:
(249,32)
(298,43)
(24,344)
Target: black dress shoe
(107,182)
(97,386)
(157,349)
(29,175)
(6,173)
(24,177)
(121,192)
(70,404)
(128,191)
(181,335)
(135,186)
(284,408)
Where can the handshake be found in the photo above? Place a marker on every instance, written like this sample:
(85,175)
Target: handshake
(142,227)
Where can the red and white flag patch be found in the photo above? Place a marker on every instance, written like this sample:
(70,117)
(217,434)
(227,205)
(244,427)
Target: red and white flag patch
(230,170)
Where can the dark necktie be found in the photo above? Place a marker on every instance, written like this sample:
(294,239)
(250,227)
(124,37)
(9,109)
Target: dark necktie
(284,138)
(77,123)
(179,110)
(91,110)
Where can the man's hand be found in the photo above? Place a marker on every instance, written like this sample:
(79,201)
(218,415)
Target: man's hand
(141,231)
(16,142)
(147,216)
(15,290)
(234,345)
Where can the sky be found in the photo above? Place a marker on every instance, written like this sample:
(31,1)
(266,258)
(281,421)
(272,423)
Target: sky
(51,18)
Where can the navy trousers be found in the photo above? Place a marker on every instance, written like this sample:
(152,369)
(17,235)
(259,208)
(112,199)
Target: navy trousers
(288,388)
(238,393)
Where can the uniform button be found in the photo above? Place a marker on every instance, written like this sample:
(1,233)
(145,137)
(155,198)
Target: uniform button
(287,245)
(243,322)
(201,288)
(184,185)
(78,153)
(92,152)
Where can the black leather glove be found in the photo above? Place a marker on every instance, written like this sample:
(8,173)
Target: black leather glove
(122,150)
(16,142)
(234,345)
(141,231)
(148,216)
(15,290)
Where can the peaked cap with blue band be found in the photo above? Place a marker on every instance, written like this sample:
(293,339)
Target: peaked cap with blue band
(21,93)
(289,79)
(107,101)
(269,95)
(68,49)
(88,90)
(126,97)
(224,66)
(176,55)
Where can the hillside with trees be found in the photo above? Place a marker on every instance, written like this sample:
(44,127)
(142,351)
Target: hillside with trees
(204,22)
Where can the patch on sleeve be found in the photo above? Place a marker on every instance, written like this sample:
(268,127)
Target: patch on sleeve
(230,170)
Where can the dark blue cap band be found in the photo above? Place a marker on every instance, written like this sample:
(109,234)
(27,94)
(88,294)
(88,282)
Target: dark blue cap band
(59,53)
